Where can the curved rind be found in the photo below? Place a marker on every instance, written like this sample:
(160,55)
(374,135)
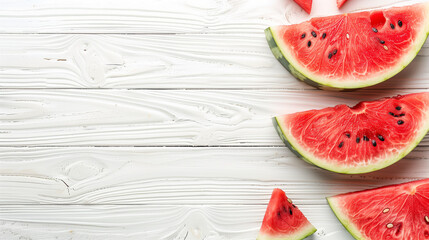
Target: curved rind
(301,235)
(321,83)
(301,153)
(343,219)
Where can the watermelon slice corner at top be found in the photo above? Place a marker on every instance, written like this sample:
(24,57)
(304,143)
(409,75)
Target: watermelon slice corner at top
(395,212)
(305,4)
(352,50)
(367,137)
(340,3)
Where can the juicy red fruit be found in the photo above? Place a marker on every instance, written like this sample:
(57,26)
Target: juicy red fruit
(305,4)
(283,219)
(340,3)
(393,212)
(367,137)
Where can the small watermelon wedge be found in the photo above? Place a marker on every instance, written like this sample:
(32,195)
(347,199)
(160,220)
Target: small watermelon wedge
(340,3)
(359,139)
(396,212)
(305,4)
(283,220)
(352,50)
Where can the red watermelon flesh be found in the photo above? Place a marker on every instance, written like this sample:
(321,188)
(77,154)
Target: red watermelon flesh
(351,50)
(305,4)
(395,212)
(283,220)
(359,139)
(340,3)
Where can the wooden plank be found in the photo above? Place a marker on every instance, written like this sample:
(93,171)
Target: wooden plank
(153,16)
(159,61)
(157,118)
(180,176)
(150,222)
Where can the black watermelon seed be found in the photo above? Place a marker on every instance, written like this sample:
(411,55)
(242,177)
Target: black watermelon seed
(309,43)
(365,138)
(358,139)
(330,55)
(290,211)
(399,23)
(392,26)
(323,35)
(398,108)
(381,138)
(303,35)
(382,42)
(335,51)
(293,205)
(391,113)
(374,143)
(402,114)
(374,30)
(348,135)
(284,209)
(314,34)
(341,144)
(400,122)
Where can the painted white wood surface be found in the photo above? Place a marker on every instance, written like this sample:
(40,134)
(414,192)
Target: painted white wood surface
(152,120)
(164,16)
(180,176)
(157,118)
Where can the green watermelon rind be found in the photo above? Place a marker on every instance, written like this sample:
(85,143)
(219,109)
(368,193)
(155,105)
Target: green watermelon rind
(308,231)
(285,58)
(301,153)
(348,225)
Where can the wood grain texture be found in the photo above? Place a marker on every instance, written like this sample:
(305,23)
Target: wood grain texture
(180,176)
(239,61)
(157,118)
(165,16)
(150,222)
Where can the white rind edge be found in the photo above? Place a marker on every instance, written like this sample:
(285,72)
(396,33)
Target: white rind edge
(305,232)
(309,157)
(420,40)
(351,228)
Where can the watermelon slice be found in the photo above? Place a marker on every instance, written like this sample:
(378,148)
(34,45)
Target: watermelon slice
(340,3)
(395,212)
(283,220)
(352,50)
(364,138)
(305,4)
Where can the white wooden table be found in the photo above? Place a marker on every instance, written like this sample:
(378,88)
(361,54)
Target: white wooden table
(151,119)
